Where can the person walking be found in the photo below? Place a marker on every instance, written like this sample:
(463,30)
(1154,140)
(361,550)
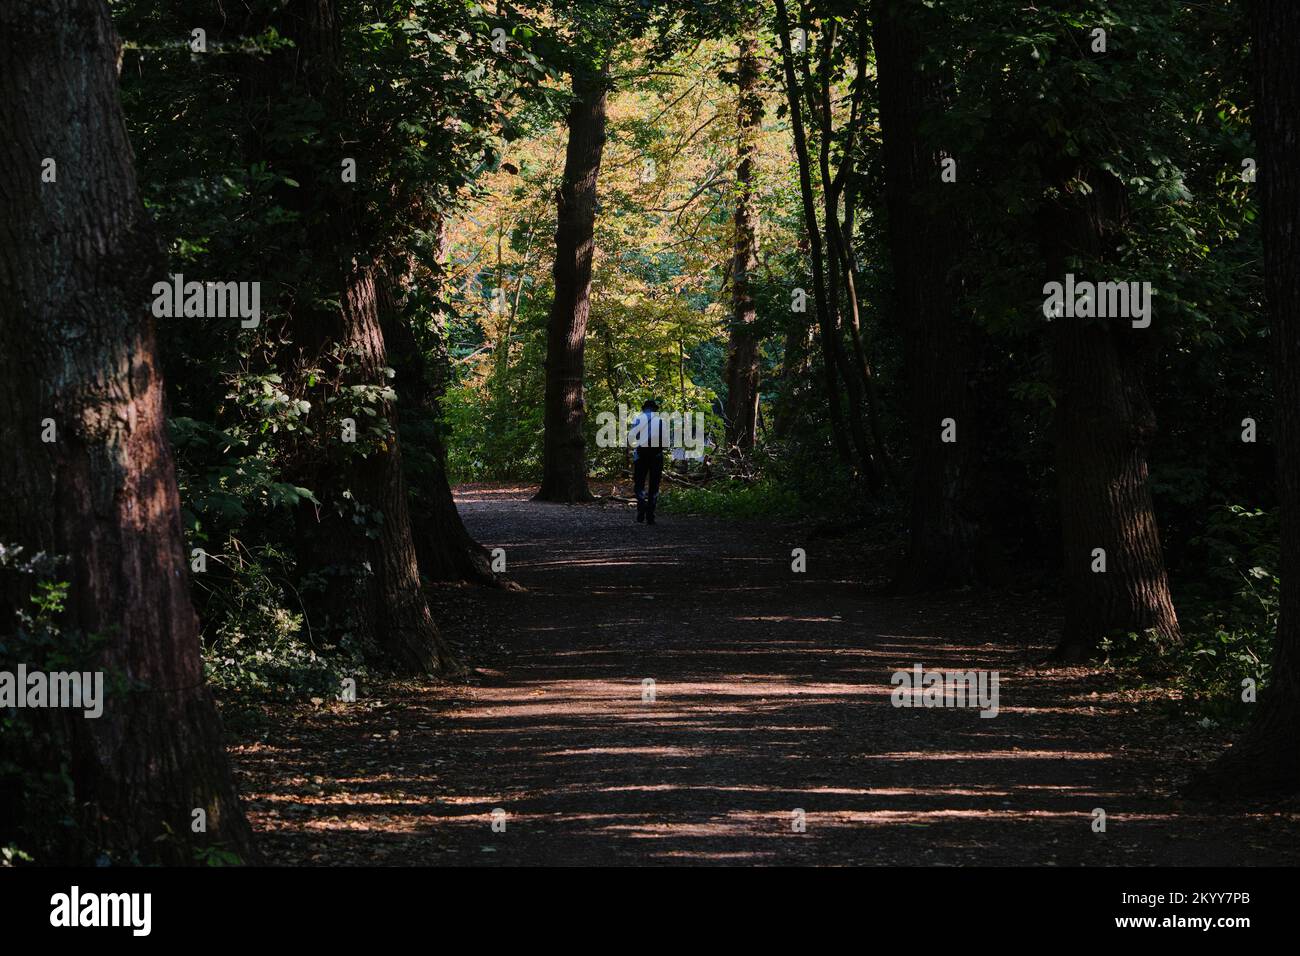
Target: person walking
(648,438)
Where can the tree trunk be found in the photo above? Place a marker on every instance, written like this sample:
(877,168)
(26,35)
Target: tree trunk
(564,465)
(742,371)
(1105,424)
(826,332)
(443,546)
(942,534)
(388,604)
(794,367)
(837,275)
(404,624)
(1267,757)
(885,458)
(78,256)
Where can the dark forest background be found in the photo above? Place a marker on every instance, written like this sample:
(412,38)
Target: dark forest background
(825,226)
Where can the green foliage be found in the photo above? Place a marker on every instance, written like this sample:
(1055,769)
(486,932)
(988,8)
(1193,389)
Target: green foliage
(786,481)
(492,436)
(736,499)
(239,154)
(10,855)
(258,643)
(36,793)
(215,856)
(460,148)
(1229,615)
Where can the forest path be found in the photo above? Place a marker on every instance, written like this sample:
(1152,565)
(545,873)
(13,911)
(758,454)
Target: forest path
(771,695)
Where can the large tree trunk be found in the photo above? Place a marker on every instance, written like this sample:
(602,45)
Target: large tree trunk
(443,546)
(1105,424)
(564,464)
(404,624)
(1267,757)
(372,570)
(77,256)
(388,603)
(742,373)
(942,533)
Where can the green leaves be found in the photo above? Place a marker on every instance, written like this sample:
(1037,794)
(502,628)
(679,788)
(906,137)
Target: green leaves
(281,494)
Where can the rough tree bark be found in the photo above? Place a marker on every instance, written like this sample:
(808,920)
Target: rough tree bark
(391,607)
(444,547)
(564,463)
(942,535)
(403,622)
(1267,757)
(742,372)
(1105,424)
(77,257)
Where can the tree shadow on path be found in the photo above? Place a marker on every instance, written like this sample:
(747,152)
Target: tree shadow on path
(677,694)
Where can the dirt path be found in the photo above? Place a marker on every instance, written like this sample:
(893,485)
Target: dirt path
(771,695)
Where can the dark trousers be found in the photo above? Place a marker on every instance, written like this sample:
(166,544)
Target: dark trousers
(649,464)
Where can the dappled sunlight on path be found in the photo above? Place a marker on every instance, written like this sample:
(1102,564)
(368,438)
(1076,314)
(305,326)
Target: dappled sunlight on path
(677,694)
